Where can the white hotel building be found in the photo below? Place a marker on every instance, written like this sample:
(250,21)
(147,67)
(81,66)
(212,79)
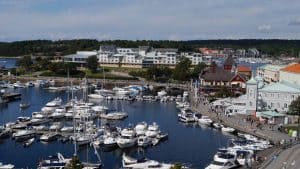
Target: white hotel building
(143,56)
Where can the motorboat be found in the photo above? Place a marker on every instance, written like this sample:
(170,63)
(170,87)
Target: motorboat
(205,120)
(84,139)
(40,128)
(28,142)
(114,115)
(55,126)
(144,141)
(22,135)
(121,92)
(29,84)
(58,113)
(6,166)
(35,121)
(38,115)
(48,137)
(153,130)
(132,163)
(24,105)
(141,128)
(18,84)
(96,96)
(54,162)
(109,142)
(67,129)
(227,129)
(187,116)
(224,160)
(23,119)
(127,138)
(161,93)
(217,125)
(52,105)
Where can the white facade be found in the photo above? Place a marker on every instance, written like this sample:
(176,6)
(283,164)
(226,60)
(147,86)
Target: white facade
(197,58)
(270,73)
(80,56)
(251,96)
(290,77)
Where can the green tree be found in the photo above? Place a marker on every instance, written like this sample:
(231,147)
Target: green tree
(74,163)
(224,92)
(198,69)
(294,109)
(182,70)
(24,62)
(92,63)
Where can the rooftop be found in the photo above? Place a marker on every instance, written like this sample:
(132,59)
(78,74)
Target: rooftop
(295,68)
(281,87)
(244,68)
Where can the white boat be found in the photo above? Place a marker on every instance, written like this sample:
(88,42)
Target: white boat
(141,128)
(67,129)
(29,84)
(38,121)
(144,141)
(52,105)
(48,137)
(58,113)
(23,119)
(28,142)
(40,128)
(223,160)
(24,105)
(18,84)
(54,162)
(55,126)
(217,125)
(121,92)
(96,96)
(227,129)
(205,120)
(38,115)
(114,115)
(23,135)
(161,93)
(153,130)
(129,162)
(186,116)
(84,139)
(109,141)
(127,138)
(6,166)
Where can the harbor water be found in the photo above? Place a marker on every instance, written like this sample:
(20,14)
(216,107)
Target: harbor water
(192,144)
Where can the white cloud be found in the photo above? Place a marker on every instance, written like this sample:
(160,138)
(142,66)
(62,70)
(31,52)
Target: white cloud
(264,27)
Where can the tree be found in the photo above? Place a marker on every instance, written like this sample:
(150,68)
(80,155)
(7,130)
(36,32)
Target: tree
(182,70)
(198,69)
(24,62)
(74,163)
(294,109)
(92,63)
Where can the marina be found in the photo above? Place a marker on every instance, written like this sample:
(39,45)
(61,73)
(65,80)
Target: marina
(164,114)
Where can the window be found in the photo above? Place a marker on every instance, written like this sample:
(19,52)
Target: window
(285,105)
(250,103)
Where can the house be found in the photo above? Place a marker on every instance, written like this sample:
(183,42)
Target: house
(215,77)
(80,56)
(269,72)
(244,70)
(291,74)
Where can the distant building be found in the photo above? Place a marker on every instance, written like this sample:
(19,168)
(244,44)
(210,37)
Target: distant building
(80,56)
(291,74)
(215,77)
(269,73)
(244,70)
(253,52)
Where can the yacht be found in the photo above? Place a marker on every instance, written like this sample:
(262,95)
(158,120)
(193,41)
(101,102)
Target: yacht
(52,105)
(121,92)
(205,120)
(58,113)
(96,96)
(153,130)
(67,129)
(38,115)
(6,166)
(54,162)
(129,162)
(48,137)
(227,129)
(23,119)
(224,160)
(109,142)
(127,138)
(161,93)
(23,135)
(144,141)
(35,121)
(115,115)
(55,126)
(84,139)
(18,84)
(141,128)
(186,116)
(40,128)
(217,125)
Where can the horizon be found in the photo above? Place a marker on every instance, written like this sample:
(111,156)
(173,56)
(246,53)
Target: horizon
(152,20)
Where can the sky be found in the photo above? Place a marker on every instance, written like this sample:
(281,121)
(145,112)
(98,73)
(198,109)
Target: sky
(149,19)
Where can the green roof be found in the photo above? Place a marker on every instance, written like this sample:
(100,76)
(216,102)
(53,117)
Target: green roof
(270,113)
(281,87)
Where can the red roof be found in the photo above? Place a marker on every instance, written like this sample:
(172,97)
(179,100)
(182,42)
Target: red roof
(244,69)
(295,68)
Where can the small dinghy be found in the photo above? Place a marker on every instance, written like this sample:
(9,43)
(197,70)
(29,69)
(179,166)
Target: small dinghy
(24,105)
(28,142)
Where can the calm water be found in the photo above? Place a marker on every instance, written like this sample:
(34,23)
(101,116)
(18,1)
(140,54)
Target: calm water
(8,62)
(186,144)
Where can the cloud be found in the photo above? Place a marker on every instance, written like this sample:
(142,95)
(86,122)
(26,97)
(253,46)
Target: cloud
(264,27)
(295,22)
